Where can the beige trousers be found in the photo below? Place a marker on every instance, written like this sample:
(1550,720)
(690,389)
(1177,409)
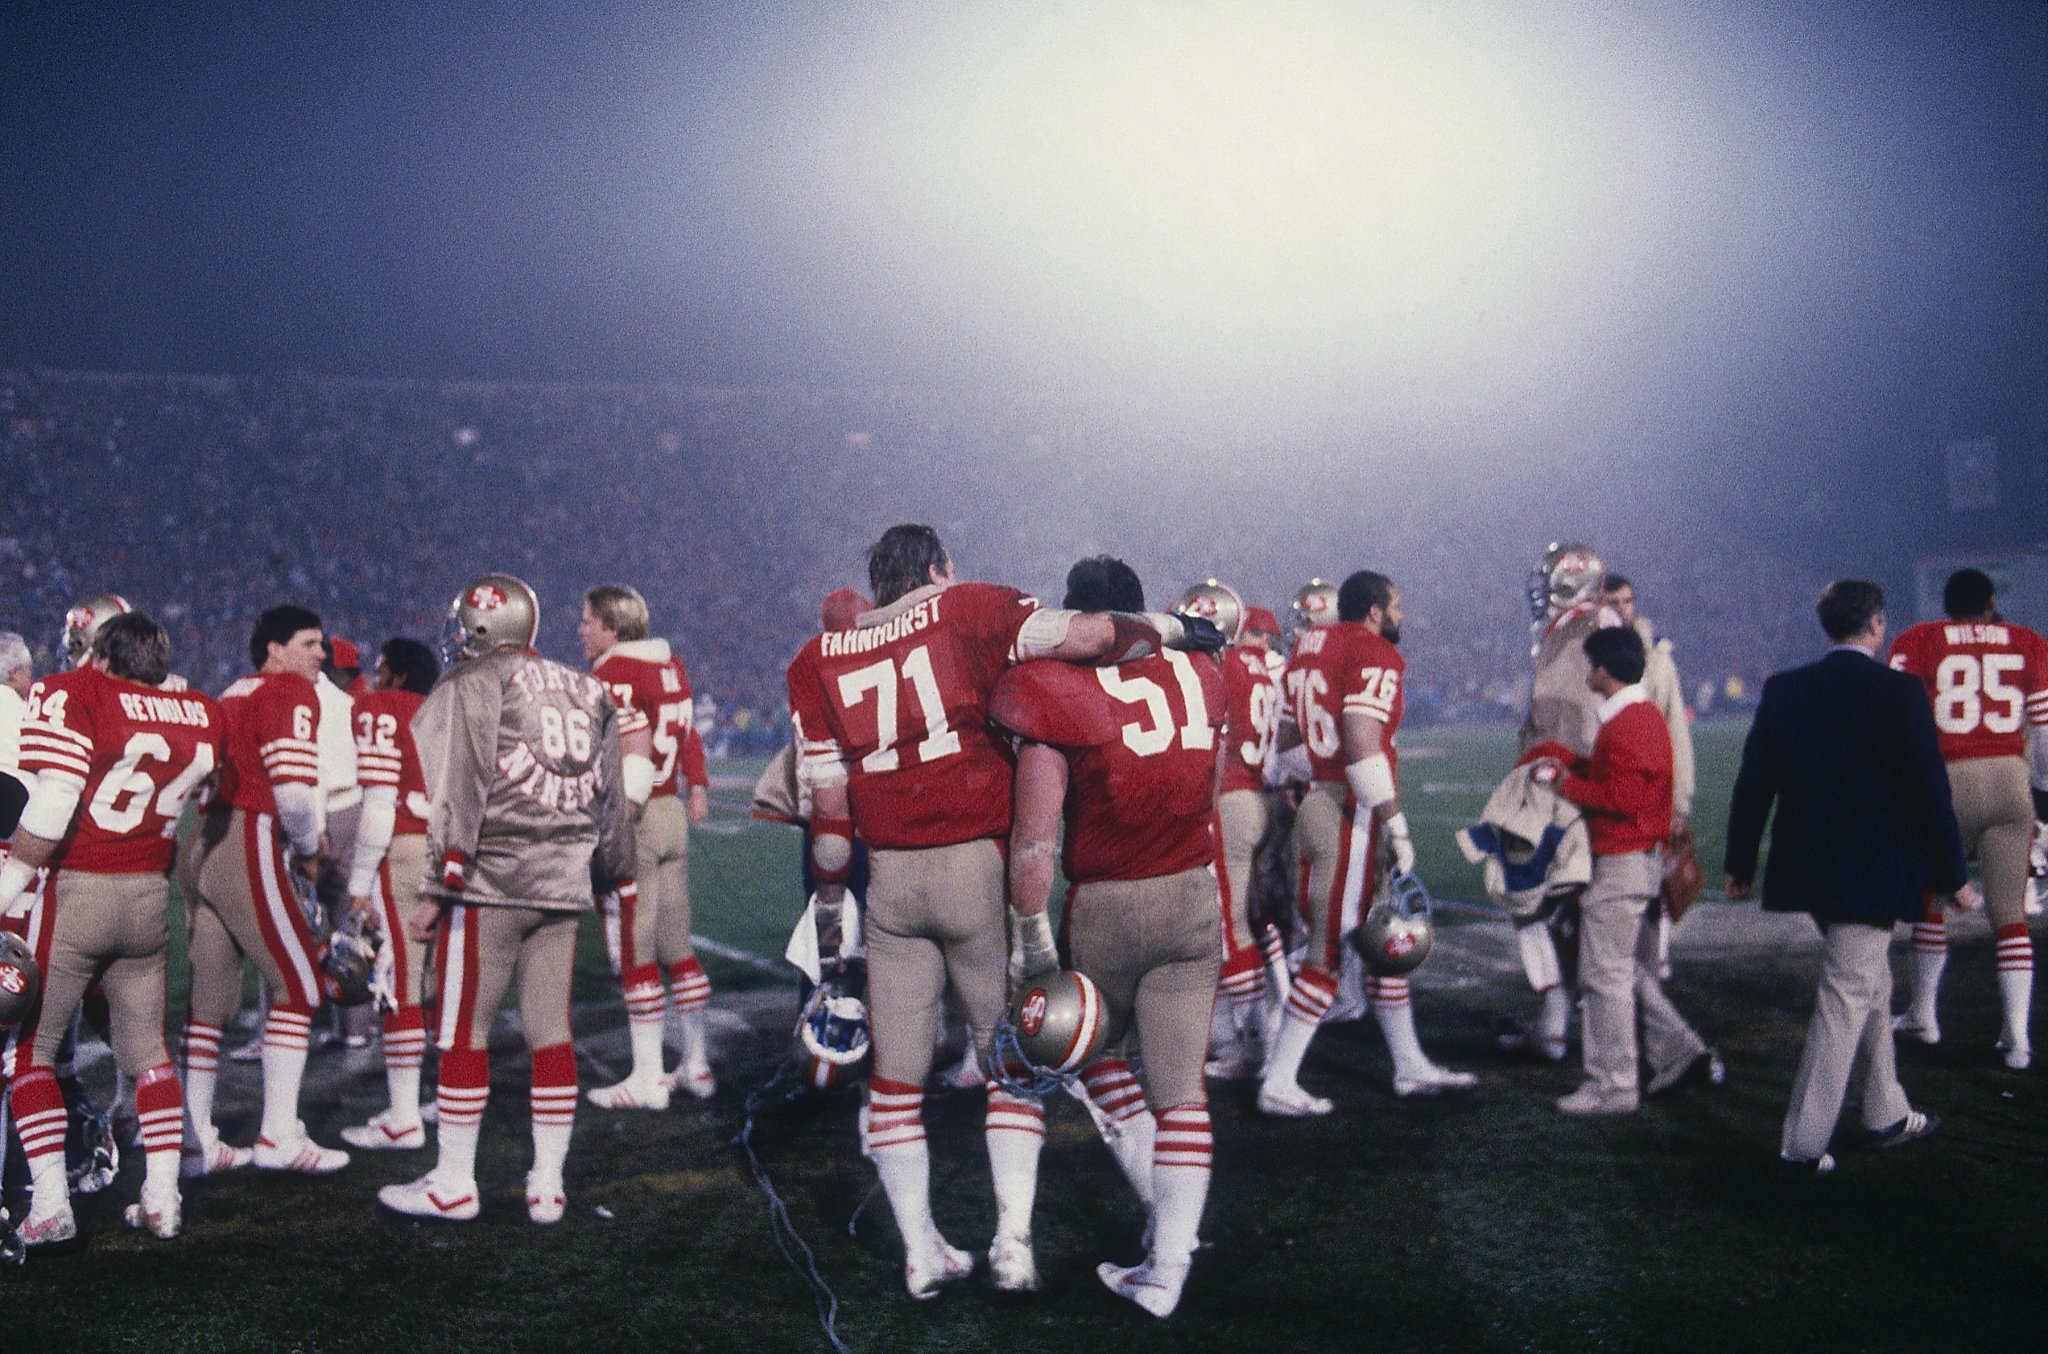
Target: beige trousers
(1996,815)
(1618,976)
(1152,947)
(935,916)
(1852,1020)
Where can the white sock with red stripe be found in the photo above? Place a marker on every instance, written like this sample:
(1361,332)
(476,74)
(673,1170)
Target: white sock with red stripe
(160,1111)
(553,1102)
(1554,1024)
(1015,1128)
(464,1090)
(1930,957)
(646,1007)
(2016,982)
(1180,1182)
(202,1074)
(1314,989)
(287,1032)
(1395,1012)
(405,1048)
(689,988)
(1127,1125)
(1242,984)
(39,1118)
(896,1143)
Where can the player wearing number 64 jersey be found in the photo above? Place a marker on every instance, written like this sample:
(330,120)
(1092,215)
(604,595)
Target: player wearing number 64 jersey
(1344,700)
(1988,680)
(112,759)
(893,738)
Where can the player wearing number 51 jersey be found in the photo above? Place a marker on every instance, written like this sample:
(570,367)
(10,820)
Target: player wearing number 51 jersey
(892,736)
(1344,700)
(1988,681)
(657,963)
(112,759)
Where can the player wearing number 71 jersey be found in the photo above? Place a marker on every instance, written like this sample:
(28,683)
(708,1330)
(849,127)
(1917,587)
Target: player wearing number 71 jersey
(1988,680)
(111,758)
(892,736)
(1344,699)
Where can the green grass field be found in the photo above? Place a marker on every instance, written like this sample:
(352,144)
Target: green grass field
(1489,1222)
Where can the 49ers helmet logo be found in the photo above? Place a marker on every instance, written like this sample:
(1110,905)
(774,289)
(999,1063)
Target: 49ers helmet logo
(11,981)
(485,597)
(1031,1017)
(1399,946)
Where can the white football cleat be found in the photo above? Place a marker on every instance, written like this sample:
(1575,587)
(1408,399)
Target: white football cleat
(924,1275)
(300,1154)
(430,1197)
(211,1156)
(1012,1265)
(47,1229)
(545,1200)
(162,1215)
(1290,1101)
(697,1081)
(1914,1026)
(383,1133)
(1433,1080)
(1156,1288)
(630,1095)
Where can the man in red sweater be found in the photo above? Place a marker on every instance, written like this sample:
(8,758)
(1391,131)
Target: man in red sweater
(1624,789)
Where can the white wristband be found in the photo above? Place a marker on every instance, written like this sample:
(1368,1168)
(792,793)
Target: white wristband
(1372,780)
(638,773)
(14,877)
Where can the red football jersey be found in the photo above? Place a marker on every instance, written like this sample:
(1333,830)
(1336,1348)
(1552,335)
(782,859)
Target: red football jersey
(1141,741)
(652,691)
(273,722)
(903,702)
(137,751)
(1250,720)
(1337,668)
(386,754)
(1988,681)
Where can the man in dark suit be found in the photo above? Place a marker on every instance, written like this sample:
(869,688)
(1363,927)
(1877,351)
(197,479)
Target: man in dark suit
(1864,830)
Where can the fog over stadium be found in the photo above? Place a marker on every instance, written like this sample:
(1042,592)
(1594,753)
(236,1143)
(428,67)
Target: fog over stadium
(1260,289)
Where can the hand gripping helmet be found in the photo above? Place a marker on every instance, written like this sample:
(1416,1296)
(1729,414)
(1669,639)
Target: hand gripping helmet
(492,612)
(21,980)
(1315,604)
(1212,601)
(1568,574)
(1398,930)
(832,1041)
(1053,1028)
(348,963)
(82,624)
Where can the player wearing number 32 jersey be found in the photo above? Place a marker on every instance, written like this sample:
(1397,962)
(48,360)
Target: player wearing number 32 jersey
(112,758)
(892,735)
(1988,681)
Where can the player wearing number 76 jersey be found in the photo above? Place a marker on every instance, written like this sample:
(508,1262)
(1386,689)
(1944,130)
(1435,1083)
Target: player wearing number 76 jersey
(112,759)
(1988,680)
(892,736)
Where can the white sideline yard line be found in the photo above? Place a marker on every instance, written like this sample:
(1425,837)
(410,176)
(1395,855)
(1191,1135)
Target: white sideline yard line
(733,953)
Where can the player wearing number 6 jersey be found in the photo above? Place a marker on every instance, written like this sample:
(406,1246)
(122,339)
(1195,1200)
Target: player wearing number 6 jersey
(657,963)
(112,759)
(1344,701)
(892,736)
(243,903)
(1988,680)
(1129,757)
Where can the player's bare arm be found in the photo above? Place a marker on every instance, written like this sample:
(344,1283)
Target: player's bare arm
(831,856)
(1040,789)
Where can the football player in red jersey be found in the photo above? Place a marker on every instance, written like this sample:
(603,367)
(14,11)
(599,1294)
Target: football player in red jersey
(1344,699)
(1129,757)
(245,902)
(892,733)
(1988,680)
(657,963)
(386,873)
(113,758)
(1251,720)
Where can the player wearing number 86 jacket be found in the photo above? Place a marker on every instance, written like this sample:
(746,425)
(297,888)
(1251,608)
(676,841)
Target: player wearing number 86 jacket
(1988,680)
(112,758)
(1344,701)
(1129,756)
(892,733)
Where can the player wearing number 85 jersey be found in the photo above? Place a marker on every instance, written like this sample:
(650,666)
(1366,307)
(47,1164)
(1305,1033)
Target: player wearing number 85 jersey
(1988,680)
(892,736)
(112,758)
(1344,701)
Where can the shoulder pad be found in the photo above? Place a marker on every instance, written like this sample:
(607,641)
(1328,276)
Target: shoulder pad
(1048,701)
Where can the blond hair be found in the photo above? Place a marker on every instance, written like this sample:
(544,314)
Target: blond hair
(620,609)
